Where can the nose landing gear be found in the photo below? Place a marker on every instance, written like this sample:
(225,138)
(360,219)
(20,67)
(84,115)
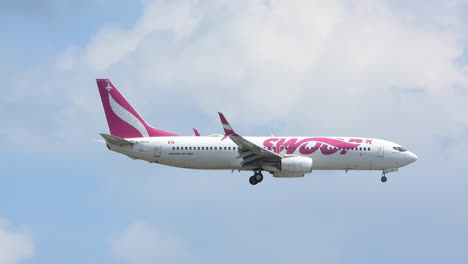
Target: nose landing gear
(256,178)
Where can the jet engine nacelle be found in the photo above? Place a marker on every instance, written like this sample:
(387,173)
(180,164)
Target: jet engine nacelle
(294,167)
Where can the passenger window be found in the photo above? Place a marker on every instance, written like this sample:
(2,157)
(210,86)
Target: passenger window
(211,148)
(190,148)
(225,148)
(198,148)
(186,148)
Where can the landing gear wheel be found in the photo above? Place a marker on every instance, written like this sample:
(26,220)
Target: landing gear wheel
(258,177)
(383,179)
(252,180)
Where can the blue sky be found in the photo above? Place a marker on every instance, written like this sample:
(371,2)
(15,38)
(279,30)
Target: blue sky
(383,69)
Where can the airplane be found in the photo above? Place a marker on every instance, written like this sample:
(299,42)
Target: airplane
(283,157)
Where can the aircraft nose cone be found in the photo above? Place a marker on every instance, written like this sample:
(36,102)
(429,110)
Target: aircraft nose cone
(411,157)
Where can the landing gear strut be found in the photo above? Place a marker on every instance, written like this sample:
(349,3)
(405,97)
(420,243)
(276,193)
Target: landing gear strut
(384,178)
(256,178)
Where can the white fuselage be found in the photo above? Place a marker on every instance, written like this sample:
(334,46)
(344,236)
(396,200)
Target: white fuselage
(213,153)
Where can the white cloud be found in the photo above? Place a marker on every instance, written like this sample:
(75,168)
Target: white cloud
(15,245)
(112,44)
(144,243)
(332,63)
(298,50)
(324,66)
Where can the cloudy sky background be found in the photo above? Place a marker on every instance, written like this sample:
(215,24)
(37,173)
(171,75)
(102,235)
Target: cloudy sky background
(383,69)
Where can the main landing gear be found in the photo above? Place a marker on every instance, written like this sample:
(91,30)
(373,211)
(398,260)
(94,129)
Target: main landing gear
(256,178)
(384,178)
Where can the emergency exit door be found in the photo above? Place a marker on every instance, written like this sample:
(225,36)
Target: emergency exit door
(157,150)
(380,150)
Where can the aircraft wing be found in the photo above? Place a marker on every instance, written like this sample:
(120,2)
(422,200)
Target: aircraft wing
(251,153)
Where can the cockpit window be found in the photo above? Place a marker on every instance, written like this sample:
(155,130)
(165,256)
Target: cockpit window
(401,149)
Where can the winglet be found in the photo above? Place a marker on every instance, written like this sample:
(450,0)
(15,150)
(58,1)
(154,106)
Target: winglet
(196,132)
(228,131)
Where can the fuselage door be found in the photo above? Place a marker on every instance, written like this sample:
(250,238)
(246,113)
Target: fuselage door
(157,150)
(380,150)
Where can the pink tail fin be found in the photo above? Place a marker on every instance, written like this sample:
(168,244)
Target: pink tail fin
(123,120)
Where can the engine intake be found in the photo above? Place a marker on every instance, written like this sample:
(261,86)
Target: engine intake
(294,167)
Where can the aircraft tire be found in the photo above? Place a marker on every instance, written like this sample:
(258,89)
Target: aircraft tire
(258,177)
(252,180)
(383,179)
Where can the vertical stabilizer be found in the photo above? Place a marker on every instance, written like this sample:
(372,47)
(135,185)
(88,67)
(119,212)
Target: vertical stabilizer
(123,120)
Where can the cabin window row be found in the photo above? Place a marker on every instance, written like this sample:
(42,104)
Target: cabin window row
(317,148)
(271,148)
(204,148)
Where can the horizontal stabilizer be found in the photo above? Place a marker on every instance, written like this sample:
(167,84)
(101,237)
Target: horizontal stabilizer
(116,140)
